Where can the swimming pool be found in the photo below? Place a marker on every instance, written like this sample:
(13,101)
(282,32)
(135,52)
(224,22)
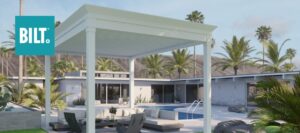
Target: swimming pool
(181,115)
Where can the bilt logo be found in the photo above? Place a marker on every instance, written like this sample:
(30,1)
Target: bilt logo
(35,35)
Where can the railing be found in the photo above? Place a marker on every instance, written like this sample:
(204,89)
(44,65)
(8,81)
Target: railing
(197,102)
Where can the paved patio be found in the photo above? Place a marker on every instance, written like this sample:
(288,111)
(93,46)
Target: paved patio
(219,113)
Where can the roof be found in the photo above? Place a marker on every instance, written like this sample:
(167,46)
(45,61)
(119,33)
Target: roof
(164,80)
(245,76)
(126,34)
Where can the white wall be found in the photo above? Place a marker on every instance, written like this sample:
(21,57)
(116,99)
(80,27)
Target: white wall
(224,91)
(143,89)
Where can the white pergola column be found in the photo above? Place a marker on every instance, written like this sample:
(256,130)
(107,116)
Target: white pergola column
(207,87)
(47,87)
(90,78)
(131,83)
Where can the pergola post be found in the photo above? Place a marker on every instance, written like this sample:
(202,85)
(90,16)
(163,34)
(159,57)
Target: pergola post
(90,78)
(47,87)
(131,83)
(207,87)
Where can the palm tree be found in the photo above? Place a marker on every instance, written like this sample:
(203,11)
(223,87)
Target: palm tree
(59,68)
(11,44)
(37,97)
(106,64)
(7,55)
(154,65)
(287,67)
(274,60)
(280,101)
(103,64)
(33,68)
(4,54)
(169,71)
(19,93)
(291,53)
(181,61)
(196,17)
(237,54)
(5,92)
(264,34)
(5,85)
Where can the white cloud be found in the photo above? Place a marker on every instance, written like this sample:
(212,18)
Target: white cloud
(297,62)
(280,27)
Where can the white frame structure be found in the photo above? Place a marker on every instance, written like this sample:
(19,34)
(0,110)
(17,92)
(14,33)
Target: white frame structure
(100,31)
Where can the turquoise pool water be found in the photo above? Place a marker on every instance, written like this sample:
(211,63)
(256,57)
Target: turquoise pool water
(181,115)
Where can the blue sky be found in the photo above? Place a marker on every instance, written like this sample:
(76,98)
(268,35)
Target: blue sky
(233,17)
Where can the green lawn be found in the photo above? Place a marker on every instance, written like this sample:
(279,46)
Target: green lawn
(26,131)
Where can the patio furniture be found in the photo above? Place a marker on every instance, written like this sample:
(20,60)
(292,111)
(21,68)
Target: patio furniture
(233,126)
(106,123)
(135,124)
(59,126)
(116,33)
(74,125)
(162,120)
(121,101)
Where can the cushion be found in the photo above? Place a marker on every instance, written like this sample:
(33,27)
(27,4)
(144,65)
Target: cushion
(147,112)
(154,113)
(160,121)
(119,112)
(126,112)
(139,110)
(170,115)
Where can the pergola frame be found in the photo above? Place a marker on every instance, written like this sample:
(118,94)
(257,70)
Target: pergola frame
(122,34)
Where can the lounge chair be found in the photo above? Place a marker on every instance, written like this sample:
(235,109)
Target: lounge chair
(135,124)
(74,125)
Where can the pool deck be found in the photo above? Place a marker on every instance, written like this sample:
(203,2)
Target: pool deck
(219,114)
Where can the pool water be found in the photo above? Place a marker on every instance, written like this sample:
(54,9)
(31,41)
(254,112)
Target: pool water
(181,115)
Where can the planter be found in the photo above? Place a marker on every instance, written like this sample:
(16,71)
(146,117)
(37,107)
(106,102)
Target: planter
(20,120)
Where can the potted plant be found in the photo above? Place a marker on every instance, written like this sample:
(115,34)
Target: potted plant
(113,112)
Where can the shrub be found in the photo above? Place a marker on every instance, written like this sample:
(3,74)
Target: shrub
(79,101)
(279,101)
(113,110)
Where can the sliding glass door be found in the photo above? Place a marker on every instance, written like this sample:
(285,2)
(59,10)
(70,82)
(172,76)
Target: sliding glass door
(113,93)
(100,92)
(162,93)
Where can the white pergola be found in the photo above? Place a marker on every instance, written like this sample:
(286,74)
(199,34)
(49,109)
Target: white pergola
(98,31)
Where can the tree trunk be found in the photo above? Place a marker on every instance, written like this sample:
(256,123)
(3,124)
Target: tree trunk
(58,57)
(195,62)
(179,73)
(82,67)
(7,66)
(25,66)
(2,66)
(20,71)
(235,69)
(263,55)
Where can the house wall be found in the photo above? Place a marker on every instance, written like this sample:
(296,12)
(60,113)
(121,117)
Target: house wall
(229,92)
(77,88)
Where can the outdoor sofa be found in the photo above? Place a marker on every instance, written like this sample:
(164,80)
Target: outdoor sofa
(162,120)
(158,120)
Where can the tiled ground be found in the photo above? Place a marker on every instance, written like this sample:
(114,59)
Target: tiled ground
(219,113)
